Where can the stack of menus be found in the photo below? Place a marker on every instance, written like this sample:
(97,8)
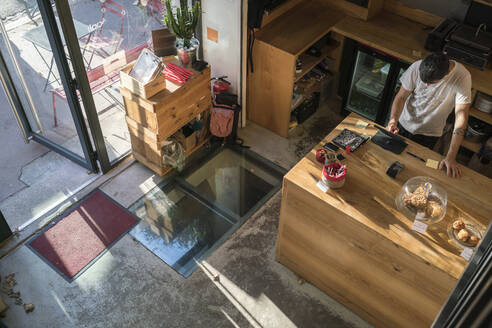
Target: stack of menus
(147,67)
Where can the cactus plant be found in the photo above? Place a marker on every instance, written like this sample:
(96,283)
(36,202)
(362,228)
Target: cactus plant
(183,21)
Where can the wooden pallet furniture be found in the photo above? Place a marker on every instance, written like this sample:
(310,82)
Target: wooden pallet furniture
(152,121)
(355,245)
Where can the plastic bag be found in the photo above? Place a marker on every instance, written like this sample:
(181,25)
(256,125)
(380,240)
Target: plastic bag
(173,153)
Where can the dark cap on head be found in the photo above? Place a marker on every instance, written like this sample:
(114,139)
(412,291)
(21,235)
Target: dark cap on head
(434,67)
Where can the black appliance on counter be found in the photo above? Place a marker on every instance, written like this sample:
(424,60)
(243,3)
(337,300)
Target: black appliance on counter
(369,81)
(470,45)
(436,40)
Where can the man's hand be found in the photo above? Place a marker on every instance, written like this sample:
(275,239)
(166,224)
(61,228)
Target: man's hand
(393,126)
(452,168)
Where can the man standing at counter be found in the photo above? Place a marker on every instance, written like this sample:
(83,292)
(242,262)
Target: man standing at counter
(430,89)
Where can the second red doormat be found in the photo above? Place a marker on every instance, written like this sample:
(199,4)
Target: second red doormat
(81,236)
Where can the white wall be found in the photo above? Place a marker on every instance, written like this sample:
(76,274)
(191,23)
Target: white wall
(224,56)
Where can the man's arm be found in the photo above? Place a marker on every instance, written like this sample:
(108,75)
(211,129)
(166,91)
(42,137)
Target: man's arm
(397,109)
(460,125)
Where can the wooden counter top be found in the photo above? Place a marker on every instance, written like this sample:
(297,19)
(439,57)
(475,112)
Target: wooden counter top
(296,30)
(355,245)
(402,38)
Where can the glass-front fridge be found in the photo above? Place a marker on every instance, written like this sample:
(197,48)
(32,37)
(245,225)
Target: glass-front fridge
(369,81)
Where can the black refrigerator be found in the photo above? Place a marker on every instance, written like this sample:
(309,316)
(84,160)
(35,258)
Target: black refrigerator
(369,81)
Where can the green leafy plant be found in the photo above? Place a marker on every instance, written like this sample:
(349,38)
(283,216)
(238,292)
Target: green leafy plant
(183,21)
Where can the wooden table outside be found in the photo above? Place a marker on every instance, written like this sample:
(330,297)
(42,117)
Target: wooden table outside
(354,244)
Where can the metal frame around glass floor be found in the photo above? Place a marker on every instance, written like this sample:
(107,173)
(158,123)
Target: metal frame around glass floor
(176,180)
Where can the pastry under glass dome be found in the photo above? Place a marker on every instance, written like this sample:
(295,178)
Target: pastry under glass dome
(423,199)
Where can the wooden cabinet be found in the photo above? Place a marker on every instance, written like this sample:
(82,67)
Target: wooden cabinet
(355,245)
(276,48)
(151,121)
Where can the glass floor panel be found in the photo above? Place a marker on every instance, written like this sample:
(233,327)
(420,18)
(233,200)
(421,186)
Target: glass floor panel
(190,214)
(176,227)
(234,181)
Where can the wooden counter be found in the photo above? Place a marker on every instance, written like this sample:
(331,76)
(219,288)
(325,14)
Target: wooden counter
(353,243)
(296,30)
(403,39)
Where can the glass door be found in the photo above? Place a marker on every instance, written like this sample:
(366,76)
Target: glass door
(119,31)
(368,83)
(34,68)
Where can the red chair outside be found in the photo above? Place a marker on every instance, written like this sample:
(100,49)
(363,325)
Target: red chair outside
(100,42)
(104,75)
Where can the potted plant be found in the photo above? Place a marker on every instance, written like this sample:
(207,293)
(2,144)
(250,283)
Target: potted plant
(182,22)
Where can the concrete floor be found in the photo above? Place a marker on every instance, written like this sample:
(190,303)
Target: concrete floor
(32,178)
(130,287)
(15,153)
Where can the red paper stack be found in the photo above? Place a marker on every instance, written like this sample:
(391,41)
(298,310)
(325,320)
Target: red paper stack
(177,74)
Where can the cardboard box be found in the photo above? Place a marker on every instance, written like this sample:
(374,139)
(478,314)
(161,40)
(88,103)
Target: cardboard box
(190,141)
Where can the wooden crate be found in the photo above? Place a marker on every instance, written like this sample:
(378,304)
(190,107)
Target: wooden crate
(144,90)
(145,142)
(164,42)
(153,120)
(190,142)
(157,215)
(147,145)
(170,109)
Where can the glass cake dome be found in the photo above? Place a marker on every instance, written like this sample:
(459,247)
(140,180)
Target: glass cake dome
(423,199)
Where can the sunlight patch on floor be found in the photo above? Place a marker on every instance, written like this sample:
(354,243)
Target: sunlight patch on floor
(234,323)
(148,185)
(260,312)
(97,273)
(60,304)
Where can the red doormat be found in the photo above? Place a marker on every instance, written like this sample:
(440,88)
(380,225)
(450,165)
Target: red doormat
(81,236)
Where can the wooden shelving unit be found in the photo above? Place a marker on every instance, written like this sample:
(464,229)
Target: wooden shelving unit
(275,51)
(487,118)
(309,62)
(473,146)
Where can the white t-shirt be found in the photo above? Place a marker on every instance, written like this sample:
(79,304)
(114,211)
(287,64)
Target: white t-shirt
(428,106)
